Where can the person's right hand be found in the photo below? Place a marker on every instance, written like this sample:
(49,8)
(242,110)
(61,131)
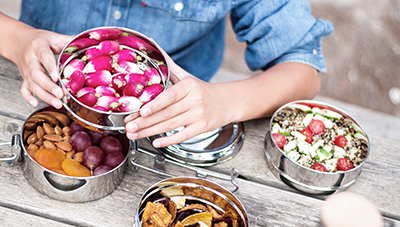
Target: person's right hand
(34,55)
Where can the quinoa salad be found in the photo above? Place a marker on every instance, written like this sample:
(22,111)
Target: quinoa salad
(319,138)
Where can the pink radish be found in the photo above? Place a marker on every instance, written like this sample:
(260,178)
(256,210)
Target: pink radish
(137,77)
(64,57)
(134,42)
(75,64)
(99,63)
(99,108)
(76,81)
(105,91)
(164,71)
(88,99)
(128,103)
(91,54)
(126,67)
(119,82)
(108,103)
(134,89)
(125,55)
(85,90)
(80,44)
(152,74)
(108,47)
(151,92)
(104,34)
(98,78)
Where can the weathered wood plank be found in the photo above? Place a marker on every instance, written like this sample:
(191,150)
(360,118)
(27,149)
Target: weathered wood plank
(10,217)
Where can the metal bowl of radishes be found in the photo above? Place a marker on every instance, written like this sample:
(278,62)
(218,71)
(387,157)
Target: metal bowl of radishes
(108,73)
(315,147)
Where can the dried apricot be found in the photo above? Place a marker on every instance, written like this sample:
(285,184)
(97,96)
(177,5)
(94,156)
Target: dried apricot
(74,168)
(60,171)
(49,158)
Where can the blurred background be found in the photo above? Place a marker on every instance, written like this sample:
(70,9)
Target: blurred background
(362,54)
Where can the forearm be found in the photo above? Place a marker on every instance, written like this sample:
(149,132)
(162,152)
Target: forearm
(261,95)
(12,30)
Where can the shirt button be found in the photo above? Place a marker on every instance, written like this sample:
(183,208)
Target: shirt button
(117,14)
(178,6)
(315,51)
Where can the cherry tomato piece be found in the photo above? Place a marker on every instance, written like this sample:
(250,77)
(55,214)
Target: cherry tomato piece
(316,126)
(279,139)
(308,134)
(344,164)
(340,141)
(318,167)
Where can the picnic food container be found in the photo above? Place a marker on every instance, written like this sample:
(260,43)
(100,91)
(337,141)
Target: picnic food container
(304,178)
(145,49)
(193,190)
(59,186)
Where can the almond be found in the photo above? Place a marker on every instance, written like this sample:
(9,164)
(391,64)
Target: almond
(66,131)
(70,154)
(53,137)
(58,130)
(32,138)
(48,129)
(66,139)
(64,146)
(48,144)
(40,132)
(39,142)
(78,157)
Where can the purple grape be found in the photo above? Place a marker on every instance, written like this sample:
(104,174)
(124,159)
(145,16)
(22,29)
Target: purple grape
(96,136)
(75,127)
(110,144)
(80,140)
(101,169)
(114,159)
(93,157)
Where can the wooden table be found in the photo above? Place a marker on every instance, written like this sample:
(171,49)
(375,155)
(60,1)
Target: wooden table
(268,201)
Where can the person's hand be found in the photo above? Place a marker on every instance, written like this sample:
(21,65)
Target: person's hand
(190,102)
(34,55)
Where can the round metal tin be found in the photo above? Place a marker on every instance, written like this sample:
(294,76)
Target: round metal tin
(206,149)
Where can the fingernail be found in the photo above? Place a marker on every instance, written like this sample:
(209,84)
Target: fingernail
(132,135)
(146,112)
(54,76)
(56,103)
(131,127)
(32,103)
(56,92)
(156,143)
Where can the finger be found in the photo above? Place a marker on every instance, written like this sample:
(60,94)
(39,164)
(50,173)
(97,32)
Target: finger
(44,94)
(43,81)
(27,95)
(164,99)
(179,137)
(161,127)
(47,59)
(131,117)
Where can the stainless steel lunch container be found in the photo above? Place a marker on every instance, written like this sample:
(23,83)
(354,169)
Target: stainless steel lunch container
(195,189)
(305,179)
(63,187)
(101,120)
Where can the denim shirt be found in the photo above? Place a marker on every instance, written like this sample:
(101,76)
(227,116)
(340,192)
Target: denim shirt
(192,31)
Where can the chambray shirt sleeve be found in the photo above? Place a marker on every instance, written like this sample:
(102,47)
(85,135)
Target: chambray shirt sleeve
(280,31)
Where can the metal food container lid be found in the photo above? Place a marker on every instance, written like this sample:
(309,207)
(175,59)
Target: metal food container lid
(206,149)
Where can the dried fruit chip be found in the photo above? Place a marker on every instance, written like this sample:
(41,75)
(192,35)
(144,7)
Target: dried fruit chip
(194,206)
(179,224)
(155,214)
(221,224)
(205,217)
(214,213)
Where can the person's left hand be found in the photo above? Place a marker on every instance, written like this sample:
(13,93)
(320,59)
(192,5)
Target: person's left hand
(190,102)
